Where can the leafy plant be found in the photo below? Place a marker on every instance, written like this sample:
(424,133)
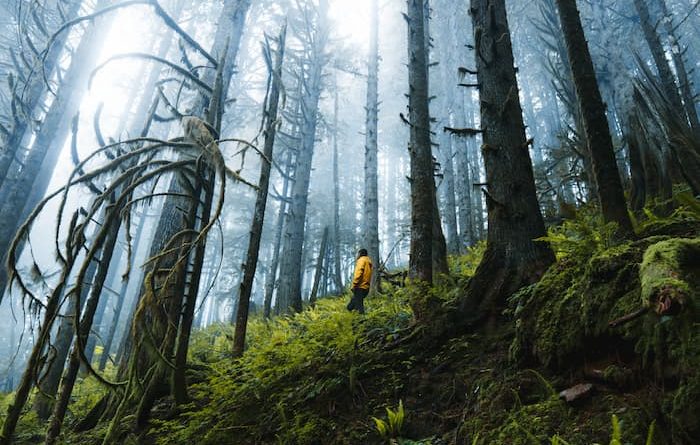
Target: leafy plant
(557,440)
(582,236)
(616,438)
(392,427)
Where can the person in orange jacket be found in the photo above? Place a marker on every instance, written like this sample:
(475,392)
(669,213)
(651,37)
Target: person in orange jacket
(360,281)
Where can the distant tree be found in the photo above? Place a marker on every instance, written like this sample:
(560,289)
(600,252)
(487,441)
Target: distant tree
(677,54)
(663,67)
(337,269)
(371,199)
(271,112)
(314,40)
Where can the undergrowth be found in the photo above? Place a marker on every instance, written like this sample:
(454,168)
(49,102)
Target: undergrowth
(328,376)
(296,373)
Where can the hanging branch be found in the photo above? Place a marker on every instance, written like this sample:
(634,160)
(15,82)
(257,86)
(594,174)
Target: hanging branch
(463,132)
(169,21)
(74,151)
(186,74)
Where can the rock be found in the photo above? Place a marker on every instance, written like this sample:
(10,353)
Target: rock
(577,392)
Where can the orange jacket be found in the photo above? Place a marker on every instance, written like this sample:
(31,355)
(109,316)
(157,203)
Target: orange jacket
(363,273)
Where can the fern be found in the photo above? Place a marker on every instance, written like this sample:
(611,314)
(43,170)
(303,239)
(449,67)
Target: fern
(616,431)
(650,433)
(391,429)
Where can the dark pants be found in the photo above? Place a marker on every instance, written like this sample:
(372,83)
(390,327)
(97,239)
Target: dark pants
(357,301)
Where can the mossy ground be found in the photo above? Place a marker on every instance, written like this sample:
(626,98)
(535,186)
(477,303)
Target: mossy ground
(319,377)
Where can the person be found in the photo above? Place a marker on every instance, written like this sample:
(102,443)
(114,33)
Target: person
(360,282)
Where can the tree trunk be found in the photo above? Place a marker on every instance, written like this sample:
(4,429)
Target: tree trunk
(319,267)
(64,338)
(638,189)
(162,313)
(512,258)
(275,72)
(31,95)
(440,266)
(178,385)
(422,181)
(52,374)
(677,56)
(371,199)
(289,292)
(109,240)
(272,276)
(657,52)
(595,124)
(466,213)
(449,193)
(337,276)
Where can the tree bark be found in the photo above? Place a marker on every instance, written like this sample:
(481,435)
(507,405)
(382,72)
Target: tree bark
(595,124)
(261,201)
(337,275)
(272,275)
(422,181)
(449,194)
(512,258)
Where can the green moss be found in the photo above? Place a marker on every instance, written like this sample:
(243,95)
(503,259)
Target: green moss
(662,269)
(573,303)
(320,376)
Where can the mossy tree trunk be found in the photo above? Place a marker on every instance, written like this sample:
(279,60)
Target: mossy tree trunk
(162,322)
(49,382)
(512,258)
(106,240)
(600,146)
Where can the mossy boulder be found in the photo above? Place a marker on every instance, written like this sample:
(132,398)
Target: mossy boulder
(563,322)
(563,319)
(667,272)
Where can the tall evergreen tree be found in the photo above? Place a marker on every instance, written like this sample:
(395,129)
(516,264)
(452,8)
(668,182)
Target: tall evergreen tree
(600,146)
(512,258)
(316,39)
(422,181)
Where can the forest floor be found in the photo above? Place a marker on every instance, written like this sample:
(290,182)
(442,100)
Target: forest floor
(327,376)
